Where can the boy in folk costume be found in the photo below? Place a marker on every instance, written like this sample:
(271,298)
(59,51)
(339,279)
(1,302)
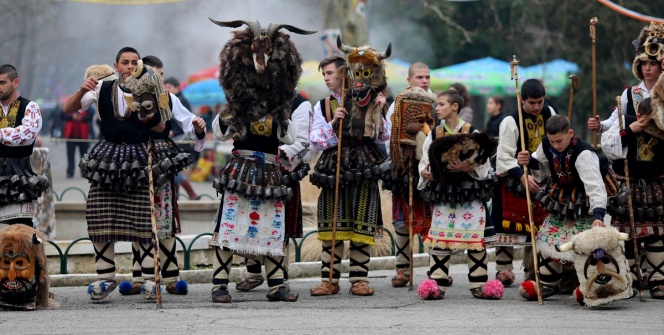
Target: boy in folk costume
(411,118)
(294,170)
(358,214)
(575,197)
(459,163)
(509,211)
(119,204)
(641,144)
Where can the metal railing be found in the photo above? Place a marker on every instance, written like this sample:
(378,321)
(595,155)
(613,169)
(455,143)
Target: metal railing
(187,249)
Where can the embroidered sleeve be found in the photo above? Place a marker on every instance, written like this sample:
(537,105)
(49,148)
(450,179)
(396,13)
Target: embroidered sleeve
(321,136)
(612,143)
(507,146)
(185,119)
(300,122)
(424,162)
(25,133)
(587,165)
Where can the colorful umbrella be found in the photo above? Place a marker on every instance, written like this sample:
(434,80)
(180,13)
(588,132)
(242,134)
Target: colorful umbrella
(204,92)
(209,73)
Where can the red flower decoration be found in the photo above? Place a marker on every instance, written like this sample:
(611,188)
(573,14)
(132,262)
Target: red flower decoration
(254,216)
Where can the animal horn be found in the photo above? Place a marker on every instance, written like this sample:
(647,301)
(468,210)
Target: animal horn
(623,237)
(274,27)
(565,247)
(254,26)
(387,53)
(36,240)
(342,46)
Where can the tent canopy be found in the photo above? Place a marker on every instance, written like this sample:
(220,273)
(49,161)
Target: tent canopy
(204,92)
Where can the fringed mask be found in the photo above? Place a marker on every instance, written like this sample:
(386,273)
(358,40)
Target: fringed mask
(20,269)
(148,97)
(366,72)
(600,265)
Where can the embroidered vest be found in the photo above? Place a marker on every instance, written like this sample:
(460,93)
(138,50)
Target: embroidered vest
(14,119)
(534,128)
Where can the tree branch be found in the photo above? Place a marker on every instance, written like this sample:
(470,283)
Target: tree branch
(447,20)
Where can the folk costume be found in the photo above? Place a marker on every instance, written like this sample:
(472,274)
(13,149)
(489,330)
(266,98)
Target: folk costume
(459,202)
(575,195)
(294,170)
(358,212)
(252,214)
(20,187)
(509,209)
(118,204)
(411,121)
(644,152)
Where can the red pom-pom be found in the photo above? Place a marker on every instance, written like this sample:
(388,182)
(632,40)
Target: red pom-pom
(527,290)
(493,289)
(579,296)
(428,289)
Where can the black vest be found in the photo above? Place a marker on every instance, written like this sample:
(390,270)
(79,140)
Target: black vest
(640,169)
(576,147)
(23,150)
(630,103)
(546,114)
(128,130)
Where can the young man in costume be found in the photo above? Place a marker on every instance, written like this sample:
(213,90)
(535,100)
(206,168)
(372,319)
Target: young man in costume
(292,166)
(641,144)
(413,108)
(363,116)
(646,68)
(575,197)
(118,204)
(459,207)
(509,211)
(194,128)
(252,213)
(20,123)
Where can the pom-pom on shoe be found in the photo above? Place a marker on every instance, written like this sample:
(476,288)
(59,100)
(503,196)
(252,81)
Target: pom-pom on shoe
(180,287)
(100,289)
(129,288)
(506,277)
(428,290)
(528,291)
(493,289)
(149,290)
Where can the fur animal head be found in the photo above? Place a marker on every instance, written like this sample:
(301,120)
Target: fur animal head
(476,147)
(23,265)
(366,71)
(100,72)
(148,93)
(261,41)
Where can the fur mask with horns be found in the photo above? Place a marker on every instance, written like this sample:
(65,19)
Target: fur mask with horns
(258,71)
(649,47)
(148,97)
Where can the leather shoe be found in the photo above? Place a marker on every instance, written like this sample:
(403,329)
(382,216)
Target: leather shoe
(325,288)
(361,288)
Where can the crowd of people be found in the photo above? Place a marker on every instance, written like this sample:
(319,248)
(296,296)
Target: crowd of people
(461,189)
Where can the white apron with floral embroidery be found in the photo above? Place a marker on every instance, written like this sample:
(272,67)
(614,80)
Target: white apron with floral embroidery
(457,226)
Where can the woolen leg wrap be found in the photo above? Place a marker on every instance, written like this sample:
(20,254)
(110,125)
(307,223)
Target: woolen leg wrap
(439,269)
(222,267)
(147,260)
(402,243)
(550,271)
(275,270)
(360,254)
(168,260)
(136,263)
(504,258)
(655,258)
(325,261)
(105,259)
(253,266)
(477,268)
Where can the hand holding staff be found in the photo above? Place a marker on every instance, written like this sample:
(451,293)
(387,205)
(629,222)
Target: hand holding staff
(572,87)
(630,208)
(342,72)
(593,22)
(515,77)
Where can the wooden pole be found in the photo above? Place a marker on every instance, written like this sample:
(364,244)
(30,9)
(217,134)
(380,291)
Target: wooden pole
(574,85)
(630,209)
(593,21)
(155,236)
(410,222)
(515,76)
(336,180)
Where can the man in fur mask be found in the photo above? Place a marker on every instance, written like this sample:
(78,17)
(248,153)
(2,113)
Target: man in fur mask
(362,114)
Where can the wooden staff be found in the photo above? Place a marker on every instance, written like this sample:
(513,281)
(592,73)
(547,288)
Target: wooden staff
(515,76)
(572,87)
(342,72)
(631,209)
(155,236)
(593,21)
(410,222)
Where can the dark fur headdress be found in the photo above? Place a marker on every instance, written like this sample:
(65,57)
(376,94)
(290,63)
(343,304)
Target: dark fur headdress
(476,146)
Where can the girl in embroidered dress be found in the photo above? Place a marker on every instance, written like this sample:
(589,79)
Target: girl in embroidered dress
(455,227)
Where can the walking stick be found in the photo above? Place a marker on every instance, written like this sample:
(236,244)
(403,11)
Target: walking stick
(630,209)
(593,21)
(515,77)
(572,87)
(410,222)
(155,237)
(342,71)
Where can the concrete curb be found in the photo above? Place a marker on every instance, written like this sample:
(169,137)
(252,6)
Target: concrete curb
(296,270)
